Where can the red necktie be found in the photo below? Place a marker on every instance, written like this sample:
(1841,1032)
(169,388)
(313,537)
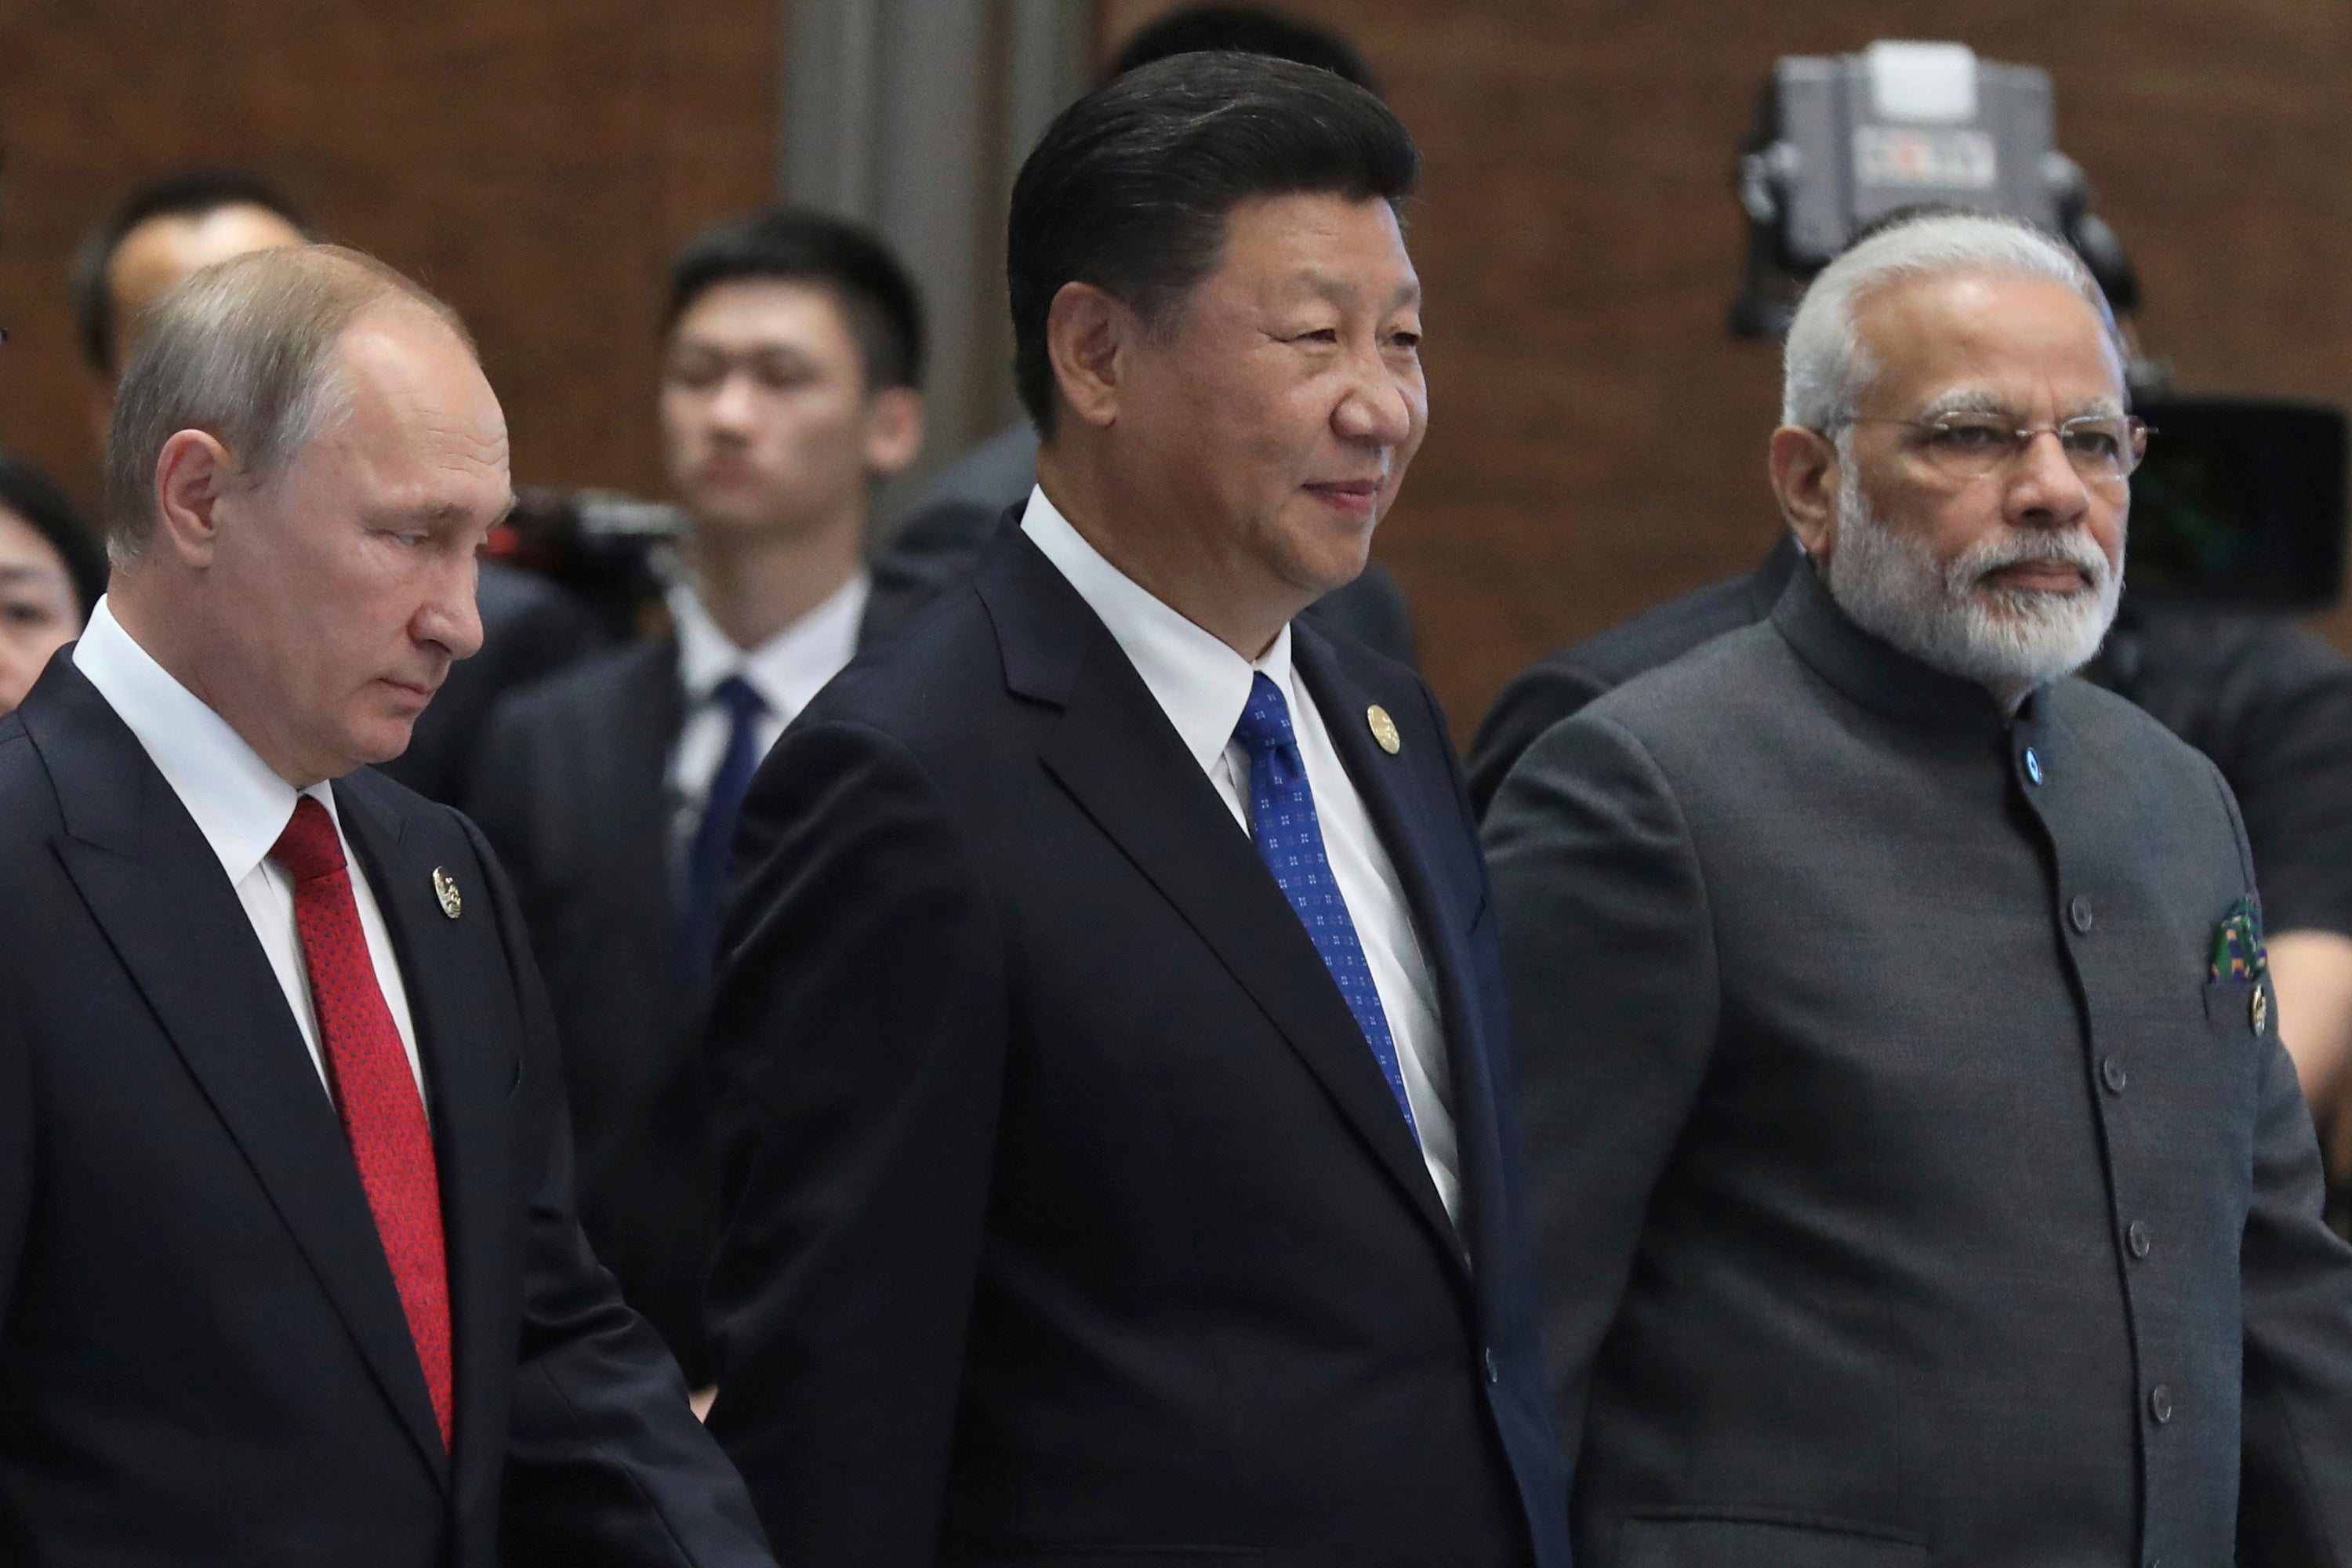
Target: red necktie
(375,1089)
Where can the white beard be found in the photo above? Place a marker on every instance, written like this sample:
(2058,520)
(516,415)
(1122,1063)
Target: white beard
(2008,640)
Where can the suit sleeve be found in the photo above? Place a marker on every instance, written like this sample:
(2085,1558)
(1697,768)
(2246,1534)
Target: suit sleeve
(2295,1488)
(1534,702)
(15,1131)
(605,1462)
(1609,951)
(857,1048)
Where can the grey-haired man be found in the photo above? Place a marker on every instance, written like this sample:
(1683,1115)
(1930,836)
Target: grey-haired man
(1919,1174)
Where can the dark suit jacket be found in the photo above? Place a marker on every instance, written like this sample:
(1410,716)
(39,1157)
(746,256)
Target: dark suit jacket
(1070,1219)
(203,1358)
(1908,1193)
(1563,682)
(573,792)
(531,629)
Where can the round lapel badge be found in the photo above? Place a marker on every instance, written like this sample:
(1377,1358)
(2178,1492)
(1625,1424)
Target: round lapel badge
(1384,728)
(2260,1009)
(445,888)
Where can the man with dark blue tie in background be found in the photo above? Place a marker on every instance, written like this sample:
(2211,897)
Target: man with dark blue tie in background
(1115,1101)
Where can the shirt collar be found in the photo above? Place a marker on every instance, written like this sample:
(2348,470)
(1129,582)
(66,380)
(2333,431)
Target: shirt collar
(1200,683)
(786,671)
(239,805)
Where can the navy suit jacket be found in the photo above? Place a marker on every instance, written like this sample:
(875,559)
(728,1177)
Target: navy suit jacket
(203,1357)
(1070,1220)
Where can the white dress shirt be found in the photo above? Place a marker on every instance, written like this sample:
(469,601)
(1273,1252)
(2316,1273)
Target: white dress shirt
(1202,686)
(241,807)
(786,671)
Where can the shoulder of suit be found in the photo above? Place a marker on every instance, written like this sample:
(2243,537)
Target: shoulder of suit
(2118,732)
(591,686)
(933,668)
(28,798)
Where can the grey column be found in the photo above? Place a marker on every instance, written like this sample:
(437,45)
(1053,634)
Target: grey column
(913,115)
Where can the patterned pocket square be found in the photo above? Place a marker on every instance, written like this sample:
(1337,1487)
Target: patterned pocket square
(2238,943)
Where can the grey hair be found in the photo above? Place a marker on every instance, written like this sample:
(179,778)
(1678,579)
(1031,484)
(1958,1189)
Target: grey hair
(1825,369)
(243,350)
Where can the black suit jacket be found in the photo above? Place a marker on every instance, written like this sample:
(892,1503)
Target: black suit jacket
(1911,1190)
(1070,1220)
(573,792)
(203,1358)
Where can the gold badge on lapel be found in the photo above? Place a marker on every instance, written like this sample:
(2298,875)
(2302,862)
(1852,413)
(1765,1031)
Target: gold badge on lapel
(1384,728)
(2260,1009)
(445,888)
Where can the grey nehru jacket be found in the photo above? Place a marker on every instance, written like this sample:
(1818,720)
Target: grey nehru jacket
(1907,1193)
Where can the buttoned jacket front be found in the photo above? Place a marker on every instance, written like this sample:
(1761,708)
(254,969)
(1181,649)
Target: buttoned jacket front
(1908,1192)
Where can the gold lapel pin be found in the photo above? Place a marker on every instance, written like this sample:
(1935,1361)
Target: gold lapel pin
(445,888)
(2261,1008)
(1384,728)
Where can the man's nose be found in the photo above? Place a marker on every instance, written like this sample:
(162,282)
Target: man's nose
(730,404)
(451,616)
(1377,408)
(2043,487)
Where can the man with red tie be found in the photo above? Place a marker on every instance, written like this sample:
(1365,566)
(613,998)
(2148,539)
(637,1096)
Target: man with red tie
(290,1271)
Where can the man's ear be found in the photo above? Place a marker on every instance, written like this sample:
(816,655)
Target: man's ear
(193,473)
(1087,334)
(1805,478)
(894,430)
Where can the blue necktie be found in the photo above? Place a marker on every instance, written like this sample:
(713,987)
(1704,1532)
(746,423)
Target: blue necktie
(1290,840)
(706,866)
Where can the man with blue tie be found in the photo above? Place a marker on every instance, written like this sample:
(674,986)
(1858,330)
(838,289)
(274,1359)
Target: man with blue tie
(788,388)
(1115,1103)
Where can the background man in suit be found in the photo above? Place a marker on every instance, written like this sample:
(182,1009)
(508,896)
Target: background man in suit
(1920,1177)
(166,231)
(961,507)
(289,1269)
(795,355)
(1114,1088)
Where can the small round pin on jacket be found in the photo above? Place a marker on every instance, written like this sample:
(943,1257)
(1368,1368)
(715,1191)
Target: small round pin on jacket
(445,888)
(1384,728)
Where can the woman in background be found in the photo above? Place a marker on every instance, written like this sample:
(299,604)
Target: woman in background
(51,571)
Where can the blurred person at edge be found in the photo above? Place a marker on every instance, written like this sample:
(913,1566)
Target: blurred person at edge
(288,1267)
(168,228)
(1919,1175)
(790,389)
(966,500)
(1114,1103)
(51,572)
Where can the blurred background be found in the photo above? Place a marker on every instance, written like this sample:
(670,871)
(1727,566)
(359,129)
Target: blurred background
(1597,435)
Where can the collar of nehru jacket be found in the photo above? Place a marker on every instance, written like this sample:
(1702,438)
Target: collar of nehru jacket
(1874,672)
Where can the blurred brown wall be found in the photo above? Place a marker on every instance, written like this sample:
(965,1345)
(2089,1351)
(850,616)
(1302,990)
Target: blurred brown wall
(534,161)
(1597,441)
(1597,438)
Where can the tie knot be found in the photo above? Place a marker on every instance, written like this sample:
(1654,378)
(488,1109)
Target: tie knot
(310,848)
(1265,723)
(739,698)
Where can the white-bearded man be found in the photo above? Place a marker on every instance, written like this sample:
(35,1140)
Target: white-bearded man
(1919,1177)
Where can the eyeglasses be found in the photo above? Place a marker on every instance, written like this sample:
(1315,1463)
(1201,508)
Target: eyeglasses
(2104,448)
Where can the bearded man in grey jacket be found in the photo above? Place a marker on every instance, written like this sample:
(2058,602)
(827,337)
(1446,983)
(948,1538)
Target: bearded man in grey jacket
(1919,1175)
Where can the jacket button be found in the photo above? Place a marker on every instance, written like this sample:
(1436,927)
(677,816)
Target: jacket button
(2079,913)
(2138,1237)
(2159,1404)
(2112,1074)
(1494,1365)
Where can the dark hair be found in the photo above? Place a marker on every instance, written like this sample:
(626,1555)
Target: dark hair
(1248,30)
(191,193)
(30,494)
(884,311)
(1131,186)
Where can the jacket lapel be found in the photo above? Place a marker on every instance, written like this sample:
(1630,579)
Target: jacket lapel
(1411,798)
(155,886)
(1116,754)
(443,968)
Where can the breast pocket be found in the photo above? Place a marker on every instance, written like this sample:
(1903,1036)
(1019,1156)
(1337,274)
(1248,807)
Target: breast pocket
(1699,1540)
